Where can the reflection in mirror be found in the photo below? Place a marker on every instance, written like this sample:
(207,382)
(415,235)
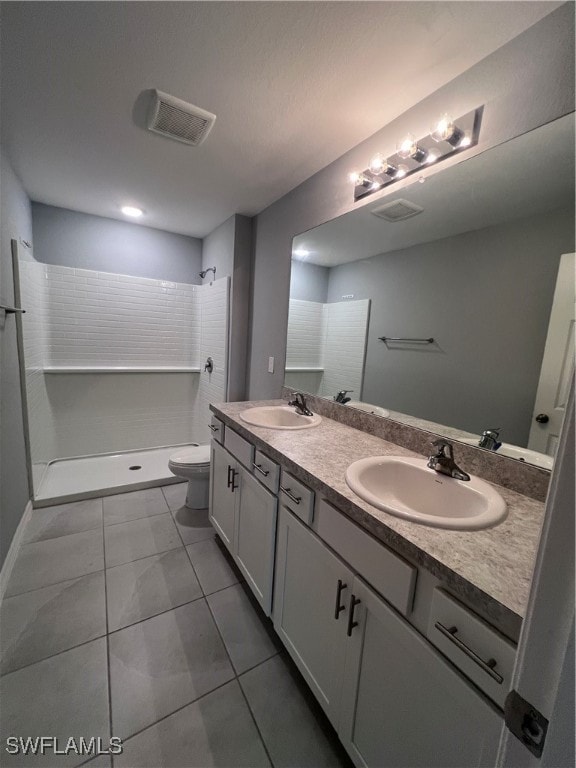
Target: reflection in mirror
(480,270)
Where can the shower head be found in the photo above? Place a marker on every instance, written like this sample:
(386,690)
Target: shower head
(205,271)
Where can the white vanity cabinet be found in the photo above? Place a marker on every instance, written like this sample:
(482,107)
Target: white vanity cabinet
(391,696)
(402,705)
(243,513)
(311,593)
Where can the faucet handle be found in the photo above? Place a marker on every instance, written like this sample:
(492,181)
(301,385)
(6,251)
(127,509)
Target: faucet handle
(443,448)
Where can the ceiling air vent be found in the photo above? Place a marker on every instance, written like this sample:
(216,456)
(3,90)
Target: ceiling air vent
(397,210)
(176,119)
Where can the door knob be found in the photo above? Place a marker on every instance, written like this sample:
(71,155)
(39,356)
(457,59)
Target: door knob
(542,418)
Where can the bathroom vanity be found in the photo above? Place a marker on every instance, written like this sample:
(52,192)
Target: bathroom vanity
(405,634)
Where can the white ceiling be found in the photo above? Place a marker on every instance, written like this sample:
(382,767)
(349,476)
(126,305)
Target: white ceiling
(294,85)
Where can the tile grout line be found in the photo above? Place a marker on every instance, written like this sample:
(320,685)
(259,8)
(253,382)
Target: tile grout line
(110,725)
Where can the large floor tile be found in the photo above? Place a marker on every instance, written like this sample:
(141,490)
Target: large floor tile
(64,519)
(140,538)
(193,524)
(212,568)
(39,624)
(64,696)
(215,732)
(47,562)
(303,739)
(175,495)
(245,635)
(162,663)
(131,506)
(146,587)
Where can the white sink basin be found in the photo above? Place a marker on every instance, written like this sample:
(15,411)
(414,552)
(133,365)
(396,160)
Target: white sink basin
(369,408)
(408,488)
(279,417)
(516,452)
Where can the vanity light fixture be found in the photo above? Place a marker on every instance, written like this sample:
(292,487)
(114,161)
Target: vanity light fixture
(447,137)
(131,211)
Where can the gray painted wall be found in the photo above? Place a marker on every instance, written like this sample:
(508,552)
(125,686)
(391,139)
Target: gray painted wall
(519,91)
(229,249)
(485,296)
(81,240)
(15,222)
(309,282)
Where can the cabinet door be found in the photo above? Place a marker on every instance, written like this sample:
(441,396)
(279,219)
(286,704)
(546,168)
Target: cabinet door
(255,538)
(224,488)
(309,580)
(403,706)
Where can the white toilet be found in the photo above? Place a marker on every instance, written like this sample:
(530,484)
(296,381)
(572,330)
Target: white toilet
(192,463)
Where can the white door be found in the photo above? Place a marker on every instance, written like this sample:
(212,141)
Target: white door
(255,538)
(223,491)
(311,597)
(557,364)
(403,706)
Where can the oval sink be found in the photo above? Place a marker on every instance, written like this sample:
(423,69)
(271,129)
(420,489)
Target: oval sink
(516,452)
(407,488)
(279,417)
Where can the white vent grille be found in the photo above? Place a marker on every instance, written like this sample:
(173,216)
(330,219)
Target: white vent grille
(397,210)
(179,120)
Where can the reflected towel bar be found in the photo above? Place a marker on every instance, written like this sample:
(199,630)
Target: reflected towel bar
(12,310)
(386,339)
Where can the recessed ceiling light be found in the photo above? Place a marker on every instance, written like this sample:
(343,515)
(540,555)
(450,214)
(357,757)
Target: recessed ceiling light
(129,210)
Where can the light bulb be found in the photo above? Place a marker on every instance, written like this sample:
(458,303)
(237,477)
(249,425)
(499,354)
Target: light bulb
(129,210)
(378,163)
(356,177)
(445,130)
(406,146)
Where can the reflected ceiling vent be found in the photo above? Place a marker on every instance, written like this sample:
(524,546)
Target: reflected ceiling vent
(176,119)
(397,210)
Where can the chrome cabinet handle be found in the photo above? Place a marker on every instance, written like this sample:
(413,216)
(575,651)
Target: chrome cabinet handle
(213,428)
(339,607)
(354,601)
(486,666)
(264,472)
(295,499)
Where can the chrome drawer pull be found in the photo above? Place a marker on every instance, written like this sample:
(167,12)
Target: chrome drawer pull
(264,472)
(486,666)
(213,428)
(295,499)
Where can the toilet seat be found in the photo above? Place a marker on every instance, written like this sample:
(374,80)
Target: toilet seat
(191,456)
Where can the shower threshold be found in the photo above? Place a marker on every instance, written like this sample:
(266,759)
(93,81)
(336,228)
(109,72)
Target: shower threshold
(86,477)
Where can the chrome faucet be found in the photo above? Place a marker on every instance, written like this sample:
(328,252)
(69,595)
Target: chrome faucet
(489,439)
(443,461)
(299,403)
(341,396)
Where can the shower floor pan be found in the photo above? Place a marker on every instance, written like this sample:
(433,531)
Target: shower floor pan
(85,477)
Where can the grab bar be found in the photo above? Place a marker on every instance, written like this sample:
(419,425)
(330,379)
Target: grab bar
(12,310)
(386,339)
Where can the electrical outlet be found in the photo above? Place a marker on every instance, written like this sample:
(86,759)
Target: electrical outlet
(270,365)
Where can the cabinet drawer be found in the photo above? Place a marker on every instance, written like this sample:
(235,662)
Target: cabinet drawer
(267,471)
(484,655)
(297,497)
(386,571)
(217,429)
(239,448)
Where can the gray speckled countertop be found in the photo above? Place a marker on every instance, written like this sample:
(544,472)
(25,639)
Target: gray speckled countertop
(490,569)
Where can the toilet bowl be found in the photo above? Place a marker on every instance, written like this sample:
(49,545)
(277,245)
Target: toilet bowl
(192,463)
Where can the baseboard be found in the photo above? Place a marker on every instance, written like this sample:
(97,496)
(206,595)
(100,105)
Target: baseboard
(8,564)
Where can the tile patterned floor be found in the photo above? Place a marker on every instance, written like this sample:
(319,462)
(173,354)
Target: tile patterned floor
(124,616)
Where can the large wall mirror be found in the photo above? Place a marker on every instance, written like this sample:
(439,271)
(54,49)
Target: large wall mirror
(473,291)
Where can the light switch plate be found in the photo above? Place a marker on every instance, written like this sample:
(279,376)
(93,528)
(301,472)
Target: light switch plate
(270,365)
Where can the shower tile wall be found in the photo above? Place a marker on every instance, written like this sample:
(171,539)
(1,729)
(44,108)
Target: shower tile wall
(326,346)
(214,344)
(81,319)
